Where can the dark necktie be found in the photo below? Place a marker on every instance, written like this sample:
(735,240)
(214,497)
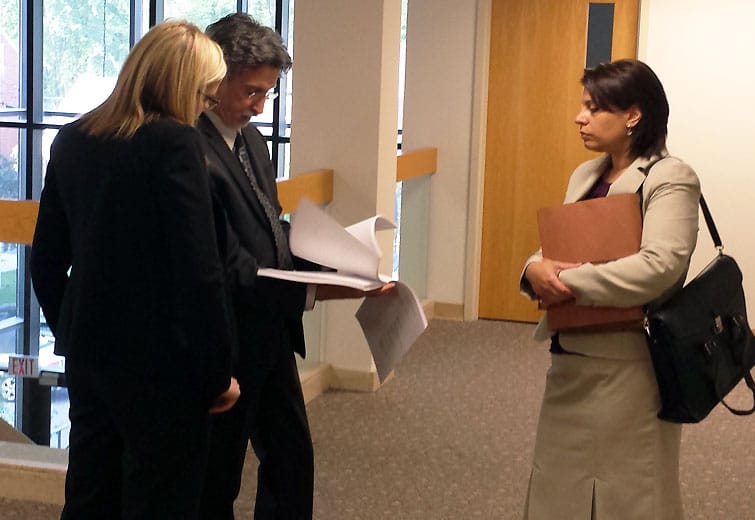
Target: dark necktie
(282,250)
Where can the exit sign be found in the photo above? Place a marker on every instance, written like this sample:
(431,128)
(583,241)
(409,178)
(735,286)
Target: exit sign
(23,366)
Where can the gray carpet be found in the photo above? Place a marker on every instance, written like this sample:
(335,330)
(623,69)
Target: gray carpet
(450,437)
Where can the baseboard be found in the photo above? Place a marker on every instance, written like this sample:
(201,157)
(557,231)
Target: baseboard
(356,380)
(315,381)
(33,473)
(428,306)
(443,311)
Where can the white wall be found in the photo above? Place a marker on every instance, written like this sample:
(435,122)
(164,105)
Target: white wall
(702,51)
(440,52)
(345,83)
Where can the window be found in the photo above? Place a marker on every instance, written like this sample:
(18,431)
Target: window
(59,59)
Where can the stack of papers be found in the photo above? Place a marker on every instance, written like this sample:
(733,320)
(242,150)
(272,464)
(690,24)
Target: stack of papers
(391,323)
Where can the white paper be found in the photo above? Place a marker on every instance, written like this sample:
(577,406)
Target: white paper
(325,277)
(366,230)
(317,237)
(353,251)
(391,324)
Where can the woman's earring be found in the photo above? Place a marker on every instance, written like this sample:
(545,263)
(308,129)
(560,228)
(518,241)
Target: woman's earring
(629,130)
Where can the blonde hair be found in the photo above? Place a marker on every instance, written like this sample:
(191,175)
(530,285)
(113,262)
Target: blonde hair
(163,76)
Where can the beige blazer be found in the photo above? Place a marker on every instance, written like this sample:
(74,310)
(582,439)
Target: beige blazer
(670,197)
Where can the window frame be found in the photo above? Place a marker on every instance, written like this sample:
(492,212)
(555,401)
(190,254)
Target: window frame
(33,398)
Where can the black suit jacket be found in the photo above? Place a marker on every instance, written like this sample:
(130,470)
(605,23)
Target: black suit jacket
(133,220)
(268,311)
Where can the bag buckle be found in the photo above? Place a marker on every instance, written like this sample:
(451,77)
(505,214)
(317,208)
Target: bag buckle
(709,346)
(718,325)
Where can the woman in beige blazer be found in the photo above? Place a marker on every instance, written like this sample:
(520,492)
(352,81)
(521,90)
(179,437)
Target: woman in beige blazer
(601,453)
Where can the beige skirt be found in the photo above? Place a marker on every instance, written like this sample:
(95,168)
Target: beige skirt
(600,452)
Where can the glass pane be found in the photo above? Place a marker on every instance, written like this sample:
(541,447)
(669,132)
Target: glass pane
(265,129)
(284,158)
(85,44)
(48,361)
(198,12)
(48,136)
(288,80)
(402,68)
(263,11)
(9,179)
(286,85)
(9,282)
(8,398)
(60,425)
(10,63)
(8,345)
(397,231)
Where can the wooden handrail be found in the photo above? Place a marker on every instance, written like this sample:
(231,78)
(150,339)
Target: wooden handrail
(17,220)
(18,217)
(416,163)
(317,186)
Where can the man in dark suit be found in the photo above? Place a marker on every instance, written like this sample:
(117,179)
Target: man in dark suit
(270,411)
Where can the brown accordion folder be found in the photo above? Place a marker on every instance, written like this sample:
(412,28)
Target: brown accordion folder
(596,231)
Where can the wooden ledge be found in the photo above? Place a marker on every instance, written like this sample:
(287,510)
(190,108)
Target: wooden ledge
(34,473)
(19,217)
(317,186)
(416,163)
(17,220)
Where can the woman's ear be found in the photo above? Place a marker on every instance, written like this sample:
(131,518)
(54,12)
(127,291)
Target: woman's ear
(634,115)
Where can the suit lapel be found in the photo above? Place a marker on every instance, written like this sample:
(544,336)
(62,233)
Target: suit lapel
(629,181)
(632,178)
(586,182)
(232,167)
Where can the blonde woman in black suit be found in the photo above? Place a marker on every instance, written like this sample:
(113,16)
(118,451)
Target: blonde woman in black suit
(126,268)
(601,452)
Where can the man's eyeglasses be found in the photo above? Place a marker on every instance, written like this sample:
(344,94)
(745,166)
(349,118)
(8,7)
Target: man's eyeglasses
(257,94)
(210,101)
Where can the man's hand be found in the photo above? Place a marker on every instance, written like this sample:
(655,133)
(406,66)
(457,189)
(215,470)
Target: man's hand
(338,292)
(227,399)
(543,277)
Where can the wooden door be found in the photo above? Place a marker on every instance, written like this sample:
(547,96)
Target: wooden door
(537,56)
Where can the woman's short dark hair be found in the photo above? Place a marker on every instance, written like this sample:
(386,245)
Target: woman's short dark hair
(621,84)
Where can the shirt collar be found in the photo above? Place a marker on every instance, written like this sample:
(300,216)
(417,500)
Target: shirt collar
(226,132)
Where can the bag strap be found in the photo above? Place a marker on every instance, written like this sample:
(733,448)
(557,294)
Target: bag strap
(748,380)
(711,225)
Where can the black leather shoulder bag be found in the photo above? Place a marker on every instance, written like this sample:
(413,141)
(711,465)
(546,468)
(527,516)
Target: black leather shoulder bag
(700,341)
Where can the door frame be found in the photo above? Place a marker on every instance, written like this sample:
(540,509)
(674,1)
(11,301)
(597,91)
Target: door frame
(477,161)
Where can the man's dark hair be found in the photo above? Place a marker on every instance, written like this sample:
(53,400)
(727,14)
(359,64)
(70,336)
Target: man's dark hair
(248,44)
(622,84)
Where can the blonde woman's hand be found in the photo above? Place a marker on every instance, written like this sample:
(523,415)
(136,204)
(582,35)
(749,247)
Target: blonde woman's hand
(227,399)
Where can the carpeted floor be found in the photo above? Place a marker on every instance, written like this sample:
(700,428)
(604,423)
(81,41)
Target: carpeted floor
(450,437)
